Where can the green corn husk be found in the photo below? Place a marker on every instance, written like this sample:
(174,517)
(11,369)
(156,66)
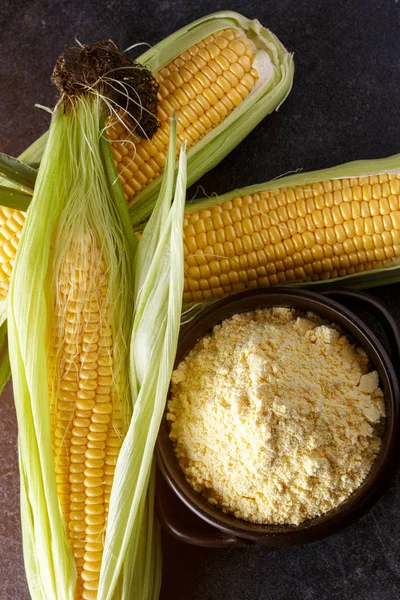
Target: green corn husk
(13,198)
(5,371)
(17,172)
(362,168)
(22,171)
(78,197)
(131,534)
(18,175)
(33,154)
(63,206)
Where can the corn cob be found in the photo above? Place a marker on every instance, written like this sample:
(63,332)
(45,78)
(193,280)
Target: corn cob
(303,229)
(204,85)
(269,235)
(85,418)
(11,223)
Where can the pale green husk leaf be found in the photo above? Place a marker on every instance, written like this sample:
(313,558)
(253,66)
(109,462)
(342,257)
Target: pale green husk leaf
(132,540)
(20,173)
(33,154)
(17,172)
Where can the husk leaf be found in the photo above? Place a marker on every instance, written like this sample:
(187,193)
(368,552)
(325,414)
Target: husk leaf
(17,172)
(132,539)
(5,371)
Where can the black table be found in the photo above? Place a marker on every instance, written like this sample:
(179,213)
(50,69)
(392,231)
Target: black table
(344,106)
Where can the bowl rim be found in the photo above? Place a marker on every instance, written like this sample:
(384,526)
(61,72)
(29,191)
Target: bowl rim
(377,479)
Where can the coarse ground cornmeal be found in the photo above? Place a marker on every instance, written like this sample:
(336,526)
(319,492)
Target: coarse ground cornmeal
(274,416)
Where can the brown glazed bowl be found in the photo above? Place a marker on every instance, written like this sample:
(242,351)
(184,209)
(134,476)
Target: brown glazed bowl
(227,530)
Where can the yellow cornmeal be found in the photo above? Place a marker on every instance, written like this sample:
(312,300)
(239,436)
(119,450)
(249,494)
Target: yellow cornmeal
(274,416)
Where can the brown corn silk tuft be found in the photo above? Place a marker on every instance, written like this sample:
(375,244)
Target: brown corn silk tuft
(302,233)
(103,68)
(203,85)
(86,420)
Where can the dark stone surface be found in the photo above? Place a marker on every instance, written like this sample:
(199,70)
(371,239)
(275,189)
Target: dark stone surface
(344,106)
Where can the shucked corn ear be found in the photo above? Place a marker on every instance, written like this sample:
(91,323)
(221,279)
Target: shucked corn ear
(221,74)
(324,226)
(90,373)
(69,331)
(204,85)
